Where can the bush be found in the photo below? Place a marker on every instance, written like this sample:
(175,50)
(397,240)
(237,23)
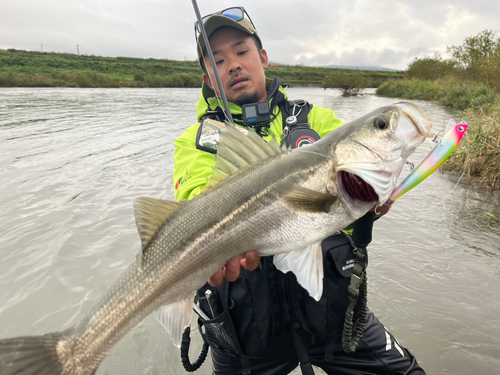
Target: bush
(490,72)
(476,48)
(351,83)
(430,68)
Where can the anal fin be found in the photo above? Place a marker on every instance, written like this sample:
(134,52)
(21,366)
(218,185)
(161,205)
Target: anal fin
(175,318)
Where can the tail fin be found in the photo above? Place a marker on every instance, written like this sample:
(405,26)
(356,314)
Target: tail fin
(30,355)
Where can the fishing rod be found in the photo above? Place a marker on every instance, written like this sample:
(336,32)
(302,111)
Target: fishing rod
(212,62)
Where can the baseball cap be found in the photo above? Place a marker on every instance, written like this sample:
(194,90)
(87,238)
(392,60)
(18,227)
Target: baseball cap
(235,17)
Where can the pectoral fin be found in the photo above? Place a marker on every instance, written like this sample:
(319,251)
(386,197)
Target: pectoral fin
(303,199)
(175,318)
(307,266)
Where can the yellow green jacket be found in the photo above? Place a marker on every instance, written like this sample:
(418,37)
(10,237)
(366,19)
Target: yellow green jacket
(192,166)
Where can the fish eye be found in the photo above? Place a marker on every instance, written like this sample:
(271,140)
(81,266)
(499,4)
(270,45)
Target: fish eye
(379,123)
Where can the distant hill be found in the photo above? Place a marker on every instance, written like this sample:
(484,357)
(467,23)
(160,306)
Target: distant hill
(347,67)
(361,67)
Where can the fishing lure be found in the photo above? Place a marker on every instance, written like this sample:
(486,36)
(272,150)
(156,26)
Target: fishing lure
(432,161)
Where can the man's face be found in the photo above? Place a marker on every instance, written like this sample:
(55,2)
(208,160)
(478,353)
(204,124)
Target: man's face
(240,65)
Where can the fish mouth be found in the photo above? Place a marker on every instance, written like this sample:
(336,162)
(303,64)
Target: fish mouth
(357,188)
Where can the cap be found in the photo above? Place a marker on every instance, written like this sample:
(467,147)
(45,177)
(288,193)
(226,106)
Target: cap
(216,21)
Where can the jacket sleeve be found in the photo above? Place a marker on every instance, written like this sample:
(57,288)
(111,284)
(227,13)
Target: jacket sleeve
(192,166)
(323,120)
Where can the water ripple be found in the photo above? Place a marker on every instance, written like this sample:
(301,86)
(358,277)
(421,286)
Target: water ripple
(72,161)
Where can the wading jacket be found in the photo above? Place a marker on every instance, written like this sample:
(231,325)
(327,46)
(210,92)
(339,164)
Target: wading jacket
(286,300)
(193,166)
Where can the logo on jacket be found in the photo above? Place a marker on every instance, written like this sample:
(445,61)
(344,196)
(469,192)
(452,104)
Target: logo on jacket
(178,183)
(182,180)
(304,140)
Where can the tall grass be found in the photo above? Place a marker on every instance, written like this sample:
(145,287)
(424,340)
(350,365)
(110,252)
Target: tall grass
(93,79)
(478,155)
(449,91)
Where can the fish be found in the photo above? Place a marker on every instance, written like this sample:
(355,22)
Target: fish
(262,197)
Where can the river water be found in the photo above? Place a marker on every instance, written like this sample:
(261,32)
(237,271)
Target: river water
(73,160)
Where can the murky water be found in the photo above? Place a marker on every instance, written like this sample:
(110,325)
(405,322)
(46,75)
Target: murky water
(73,160)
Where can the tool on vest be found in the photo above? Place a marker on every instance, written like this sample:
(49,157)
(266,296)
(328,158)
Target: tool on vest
(297,131)
(208,294)
(357,310)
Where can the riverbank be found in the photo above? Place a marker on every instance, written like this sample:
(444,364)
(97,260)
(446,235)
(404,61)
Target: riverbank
(478,155)
(469,82)
(20,68)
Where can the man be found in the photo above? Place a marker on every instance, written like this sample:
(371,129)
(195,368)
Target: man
(257,319)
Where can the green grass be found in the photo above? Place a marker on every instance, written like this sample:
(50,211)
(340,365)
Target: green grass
(478,154)
(448,91)
(20,68)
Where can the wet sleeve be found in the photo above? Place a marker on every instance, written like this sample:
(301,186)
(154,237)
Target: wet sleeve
(192,166)
(323,120)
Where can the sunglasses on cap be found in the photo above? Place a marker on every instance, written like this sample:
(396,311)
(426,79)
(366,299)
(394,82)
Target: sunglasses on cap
(234,13)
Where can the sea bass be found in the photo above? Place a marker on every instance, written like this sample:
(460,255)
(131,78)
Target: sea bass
(260,197)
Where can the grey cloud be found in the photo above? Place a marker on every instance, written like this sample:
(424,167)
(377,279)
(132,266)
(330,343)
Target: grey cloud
(322,32)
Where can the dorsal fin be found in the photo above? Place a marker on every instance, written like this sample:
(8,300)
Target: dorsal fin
(236,151)
(150,214)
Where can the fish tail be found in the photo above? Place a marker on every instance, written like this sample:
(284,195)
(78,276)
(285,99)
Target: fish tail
(30,355)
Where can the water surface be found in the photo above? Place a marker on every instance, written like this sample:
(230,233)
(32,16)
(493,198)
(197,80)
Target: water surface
(73,160)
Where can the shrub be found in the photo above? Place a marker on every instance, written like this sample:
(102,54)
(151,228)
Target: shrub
(430,68)
(351,83)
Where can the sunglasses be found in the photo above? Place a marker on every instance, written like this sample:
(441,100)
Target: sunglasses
(234,13)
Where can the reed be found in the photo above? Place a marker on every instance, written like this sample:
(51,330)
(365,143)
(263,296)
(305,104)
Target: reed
(478,155)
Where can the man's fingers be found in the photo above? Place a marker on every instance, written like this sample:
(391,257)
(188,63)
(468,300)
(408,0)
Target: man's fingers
(232,270)
(251,260)
(216,279)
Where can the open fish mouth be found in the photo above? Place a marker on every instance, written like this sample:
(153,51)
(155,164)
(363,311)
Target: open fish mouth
(361,186)
(357,188)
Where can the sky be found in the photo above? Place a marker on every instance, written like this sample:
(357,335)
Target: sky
(385,33)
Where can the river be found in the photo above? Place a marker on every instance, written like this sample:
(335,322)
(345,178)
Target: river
(73,160)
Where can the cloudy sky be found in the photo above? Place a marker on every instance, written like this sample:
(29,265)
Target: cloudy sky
(386,33)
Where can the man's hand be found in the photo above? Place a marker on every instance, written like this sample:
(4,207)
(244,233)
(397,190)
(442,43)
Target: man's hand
(232,269)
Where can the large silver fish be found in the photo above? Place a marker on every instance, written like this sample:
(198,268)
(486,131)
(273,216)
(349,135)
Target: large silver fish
(263,198)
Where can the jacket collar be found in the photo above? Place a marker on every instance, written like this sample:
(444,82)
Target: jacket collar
(208,99)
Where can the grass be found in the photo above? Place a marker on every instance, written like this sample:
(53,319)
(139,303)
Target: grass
(448,91)
(20,68)
(478,154)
